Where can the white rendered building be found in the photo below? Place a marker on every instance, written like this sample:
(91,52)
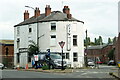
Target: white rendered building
(47,30)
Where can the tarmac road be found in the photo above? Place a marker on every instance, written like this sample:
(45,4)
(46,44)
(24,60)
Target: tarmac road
(101,73)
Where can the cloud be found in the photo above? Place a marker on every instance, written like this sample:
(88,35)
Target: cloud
(100,16)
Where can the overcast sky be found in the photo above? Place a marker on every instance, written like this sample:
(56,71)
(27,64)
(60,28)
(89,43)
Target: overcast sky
(100,16)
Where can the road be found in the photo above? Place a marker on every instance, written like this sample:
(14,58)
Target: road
(103,72)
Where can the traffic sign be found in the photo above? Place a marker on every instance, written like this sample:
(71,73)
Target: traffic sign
(36,57)
(61,44)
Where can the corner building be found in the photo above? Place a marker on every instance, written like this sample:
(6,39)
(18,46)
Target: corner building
(47,30)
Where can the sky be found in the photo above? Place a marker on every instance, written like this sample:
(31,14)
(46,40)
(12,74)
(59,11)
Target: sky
(100,16)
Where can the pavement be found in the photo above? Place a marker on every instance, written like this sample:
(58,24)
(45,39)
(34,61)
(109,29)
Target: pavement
(49,71)
(115,74)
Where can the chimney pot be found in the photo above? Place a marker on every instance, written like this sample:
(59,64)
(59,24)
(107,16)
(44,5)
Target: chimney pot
(47,10)
(66,10)
(37,12)
(26,15)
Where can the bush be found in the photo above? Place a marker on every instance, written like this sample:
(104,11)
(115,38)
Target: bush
(45,67)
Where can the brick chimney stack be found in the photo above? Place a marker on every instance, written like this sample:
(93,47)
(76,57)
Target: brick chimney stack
(47,10)
(69,16)
(66,10)
(37,12)
(26,15)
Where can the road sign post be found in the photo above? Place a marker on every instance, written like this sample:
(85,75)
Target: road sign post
(61,45)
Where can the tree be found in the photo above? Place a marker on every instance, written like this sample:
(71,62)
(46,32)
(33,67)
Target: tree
(88,40)
(95,41)
(109,41)
(32,48)
(100,40)
(111,54)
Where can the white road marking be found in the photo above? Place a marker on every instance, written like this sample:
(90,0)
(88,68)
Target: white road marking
(9,70)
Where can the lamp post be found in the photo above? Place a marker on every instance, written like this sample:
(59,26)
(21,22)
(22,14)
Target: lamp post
(37,28)
(86,62)
(37,35)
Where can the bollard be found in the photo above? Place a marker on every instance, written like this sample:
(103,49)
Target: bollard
(26,66)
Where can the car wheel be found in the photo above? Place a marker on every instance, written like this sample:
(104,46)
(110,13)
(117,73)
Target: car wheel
(51,67)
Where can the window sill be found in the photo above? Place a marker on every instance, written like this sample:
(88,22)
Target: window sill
(52,46)
(75,45)
(53,30)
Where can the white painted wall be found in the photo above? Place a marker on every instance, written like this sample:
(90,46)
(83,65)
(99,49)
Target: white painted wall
(76,28)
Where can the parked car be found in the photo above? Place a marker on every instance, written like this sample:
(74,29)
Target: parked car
(55,60)
(111,62)
(99,62)
(1,66)
(91,62)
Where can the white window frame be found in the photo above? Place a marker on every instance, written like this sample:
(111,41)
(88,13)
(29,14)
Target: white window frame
(75,57)
(53,25)
(74,38)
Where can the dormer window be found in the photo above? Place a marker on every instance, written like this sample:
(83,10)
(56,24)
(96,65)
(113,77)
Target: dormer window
(53,26)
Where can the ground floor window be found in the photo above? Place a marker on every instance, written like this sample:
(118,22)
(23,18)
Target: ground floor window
(65,55)
(75,57)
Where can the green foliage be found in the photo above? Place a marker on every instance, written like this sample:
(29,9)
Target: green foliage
(111,54)
(87,41)
(45,67)
(109,41)
(95,41)
(32,48)
(98,41)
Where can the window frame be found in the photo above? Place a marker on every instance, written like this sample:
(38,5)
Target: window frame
(30,30)
(53,26)
(52,38)
(74,40)
(75,57)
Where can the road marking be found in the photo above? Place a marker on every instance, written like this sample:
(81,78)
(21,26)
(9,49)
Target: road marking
(93,73)
(9,70)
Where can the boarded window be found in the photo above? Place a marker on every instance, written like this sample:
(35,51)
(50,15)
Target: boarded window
(53,40)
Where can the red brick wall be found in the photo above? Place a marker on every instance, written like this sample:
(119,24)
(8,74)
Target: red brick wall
(101,53)
(10,50)
(117,50)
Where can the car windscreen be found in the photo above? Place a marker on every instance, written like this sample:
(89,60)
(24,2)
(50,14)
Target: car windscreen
(55,56)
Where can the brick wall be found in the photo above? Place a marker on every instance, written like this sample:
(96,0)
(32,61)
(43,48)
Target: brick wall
(117,50)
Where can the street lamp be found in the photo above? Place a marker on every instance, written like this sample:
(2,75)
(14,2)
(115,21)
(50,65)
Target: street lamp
(86,62)
(37,28)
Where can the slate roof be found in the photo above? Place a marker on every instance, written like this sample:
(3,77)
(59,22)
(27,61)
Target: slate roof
(54,16)
(96,47)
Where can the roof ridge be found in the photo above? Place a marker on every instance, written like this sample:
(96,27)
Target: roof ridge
(54,16)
